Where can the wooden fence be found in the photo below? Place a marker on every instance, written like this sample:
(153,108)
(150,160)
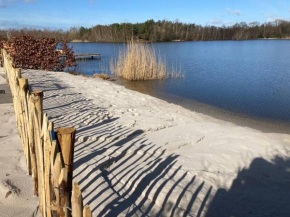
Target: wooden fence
(48,152)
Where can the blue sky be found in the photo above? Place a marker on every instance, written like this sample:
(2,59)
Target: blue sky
(67,13)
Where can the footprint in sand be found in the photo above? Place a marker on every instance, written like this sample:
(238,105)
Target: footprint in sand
(9,189)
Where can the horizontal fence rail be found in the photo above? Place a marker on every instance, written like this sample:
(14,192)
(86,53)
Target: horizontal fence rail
(48,152)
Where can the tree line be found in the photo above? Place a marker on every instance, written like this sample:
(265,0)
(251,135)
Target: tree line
(162,31)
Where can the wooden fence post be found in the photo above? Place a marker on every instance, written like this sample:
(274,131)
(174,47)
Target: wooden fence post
(44,136)
(87,211)
(66,139)
(15,74)
(18,112)
(76,201)
(37,99)
(32,145)
(23,84)
(47,168)
(64,193)
(56,172)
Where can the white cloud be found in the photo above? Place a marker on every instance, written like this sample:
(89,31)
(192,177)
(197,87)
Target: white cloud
(234,12)
(272,17)
(218,21)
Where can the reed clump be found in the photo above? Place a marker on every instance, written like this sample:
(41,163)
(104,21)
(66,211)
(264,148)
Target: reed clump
(140,62)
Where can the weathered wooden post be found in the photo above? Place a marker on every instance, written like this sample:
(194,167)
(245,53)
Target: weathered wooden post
(31,109)
(44,136)
(47,167)
(56,172)
(15,74)
(37,99)
(18,112)
(76,201)
(64,193)
(66,139)
(23,84)
(87,211)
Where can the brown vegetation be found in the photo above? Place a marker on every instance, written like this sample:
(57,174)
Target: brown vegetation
(31,53)
(2,40)
(140,62)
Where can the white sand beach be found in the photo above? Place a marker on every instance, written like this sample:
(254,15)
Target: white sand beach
(137,155)
(16,196)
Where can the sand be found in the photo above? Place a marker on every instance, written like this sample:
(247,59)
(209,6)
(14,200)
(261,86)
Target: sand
(16,195)
(137,155)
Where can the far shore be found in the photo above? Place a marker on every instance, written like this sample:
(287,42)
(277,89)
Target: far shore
(79,41)
(86,41)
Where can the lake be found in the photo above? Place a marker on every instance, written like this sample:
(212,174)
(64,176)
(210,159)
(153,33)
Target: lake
(240,81)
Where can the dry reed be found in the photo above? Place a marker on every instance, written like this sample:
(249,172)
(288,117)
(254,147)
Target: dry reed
(140,62)
(102,76)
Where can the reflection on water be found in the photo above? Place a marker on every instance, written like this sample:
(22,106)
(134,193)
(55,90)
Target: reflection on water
(246,82)
(146,87)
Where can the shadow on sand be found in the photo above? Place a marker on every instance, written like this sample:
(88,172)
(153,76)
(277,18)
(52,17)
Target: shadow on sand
(262,190)
(121,173)
(137,179)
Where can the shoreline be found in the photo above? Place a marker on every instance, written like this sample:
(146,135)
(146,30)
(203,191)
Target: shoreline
(258,123)
(178,41)
(207,154)
(243,120)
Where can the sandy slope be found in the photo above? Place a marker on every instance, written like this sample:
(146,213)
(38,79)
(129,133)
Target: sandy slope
(16,196)
(140,156)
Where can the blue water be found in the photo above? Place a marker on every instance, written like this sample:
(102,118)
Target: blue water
(250,78)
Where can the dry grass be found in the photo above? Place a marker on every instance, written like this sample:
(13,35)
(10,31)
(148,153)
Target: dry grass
(140,62)
(102,76)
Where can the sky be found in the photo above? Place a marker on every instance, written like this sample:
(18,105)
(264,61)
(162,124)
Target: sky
(63,14)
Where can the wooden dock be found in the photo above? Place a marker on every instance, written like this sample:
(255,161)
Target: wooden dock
(85,56)
(88,56)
